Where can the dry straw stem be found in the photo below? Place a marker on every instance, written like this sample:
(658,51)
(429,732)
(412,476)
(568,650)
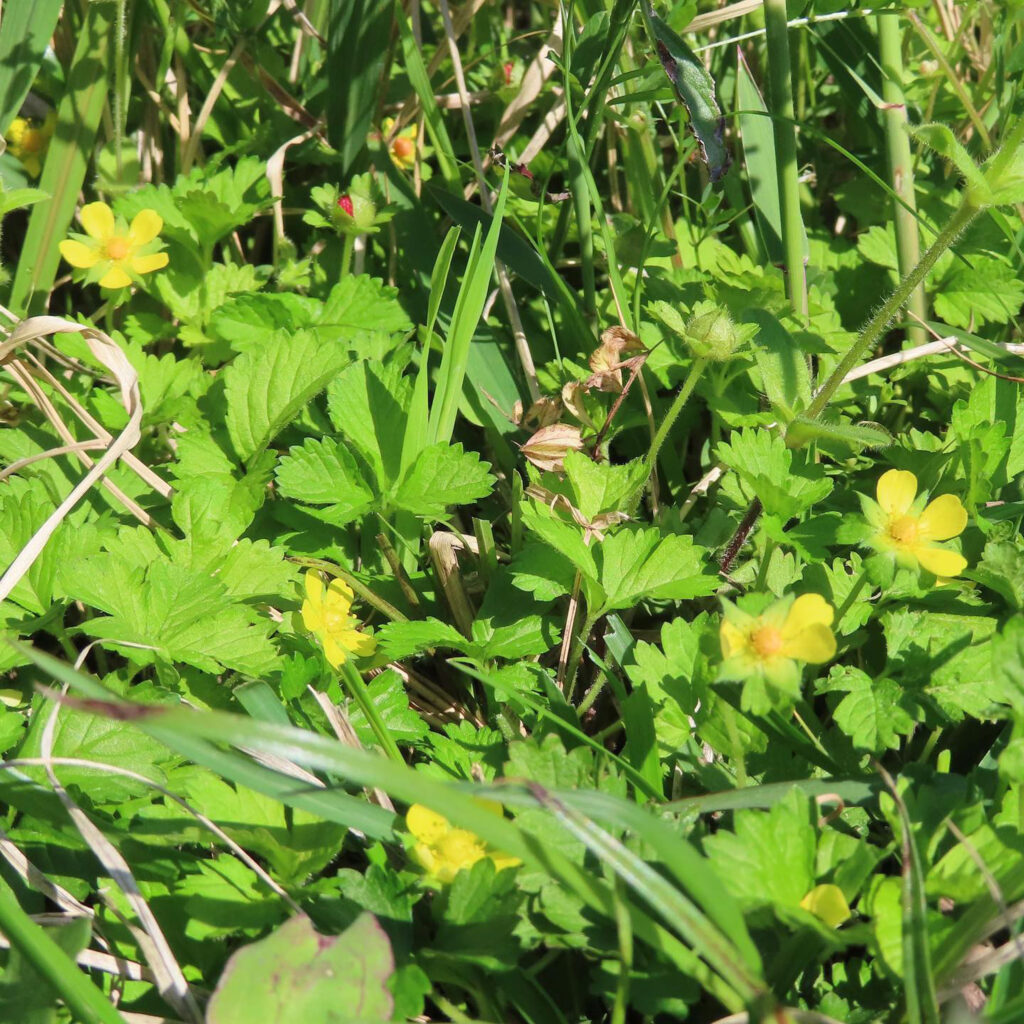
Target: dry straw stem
(25,372)
(169,979)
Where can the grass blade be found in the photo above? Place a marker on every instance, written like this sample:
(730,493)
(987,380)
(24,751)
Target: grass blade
(468,309)
(86,1002)
(78,117)
(24,35)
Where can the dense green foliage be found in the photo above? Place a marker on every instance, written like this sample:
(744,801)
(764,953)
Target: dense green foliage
(523,501)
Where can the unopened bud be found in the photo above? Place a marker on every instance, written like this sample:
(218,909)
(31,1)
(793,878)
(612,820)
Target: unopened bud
(713,336)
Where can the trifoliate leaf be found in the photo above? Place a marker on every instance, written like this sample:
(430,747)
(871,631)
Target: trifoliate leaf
(181,614)
(786,482)
(634,564)
(874,713)
(769,855)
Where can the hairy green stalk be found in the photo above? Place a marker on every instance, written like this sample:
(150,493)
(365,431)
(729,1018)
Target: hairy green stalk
(901,166)
(780,102)
(876,326)
(696,370)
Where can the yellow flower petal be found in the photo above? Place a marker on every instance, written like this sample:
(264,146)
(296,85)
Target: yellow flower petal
(504,860)
(146,225)
(940,562)
(78,254)
(336,652)
(814,644)
(943,518)
(97,220)
(897,489)
(807,610)
(426,825)
(733,641)
(147,264)
(312,607)
(339,596)
(827,903)
(359,644)
(115,277)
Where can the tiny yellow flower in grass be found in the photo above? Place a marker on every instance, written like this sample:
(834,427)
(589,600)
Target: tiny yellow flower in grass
(403,145)
(114,252)
(27,140)
(773,645)
(907,529)
(443,850)
(325,613)
(827,903)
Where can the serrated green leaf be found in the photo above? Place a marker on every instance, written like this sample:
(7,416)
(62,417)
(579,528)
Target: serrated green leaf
(786,482)
(442,475)
(873,713)
(598,487)
(265,389)
(324,472)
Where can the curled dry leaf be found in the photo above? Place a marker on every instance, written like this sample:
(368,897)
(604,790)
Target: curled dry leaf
(542,413)
(608,359)
(549,445)
(572,399)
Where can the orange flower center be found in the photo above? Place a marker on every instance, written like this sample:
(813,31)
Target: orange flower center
(33,141)
(117,248)
(766,641)
(903,530)
(403,148)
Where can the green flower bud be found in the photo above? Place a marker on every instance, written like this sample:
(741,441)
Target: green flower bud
(713,335)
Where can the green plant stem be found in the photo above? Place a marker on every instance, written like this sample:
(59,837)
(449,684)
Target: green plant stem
(876,326)
(592,694)
(672,415)
(780,99)
(901,166)
(85,1001)
(346,254)
(576,654)
(762,569)
(357,690)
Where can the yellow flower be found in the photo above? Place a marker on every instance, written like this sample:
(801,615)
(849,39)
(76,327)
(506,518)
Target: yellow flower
(28,141)
(443,850)
(907,529)
(403,145)
(771,646)
(325,612)
(827,903)
(113,252)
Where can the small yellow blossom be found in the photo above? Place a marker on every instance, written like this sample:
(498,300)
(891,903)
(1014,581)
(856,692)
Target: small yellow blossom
(325,613)
(771,646)
(443,850)
(827,903)
(403,145)
(114,252)
(907,529)
(28,140)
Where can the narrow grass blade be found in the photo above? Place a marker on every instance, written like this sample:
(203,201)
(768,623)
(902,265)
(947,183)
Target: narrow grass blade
(420,80)
(918,976)
(86,1002)
(24,35)
(758,142)
(358,33)
(78,117)
(468,308)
